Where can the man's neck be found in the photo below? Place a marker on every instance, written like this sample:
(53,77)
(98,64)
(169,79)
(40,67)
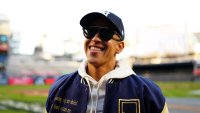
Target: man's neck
(97,72)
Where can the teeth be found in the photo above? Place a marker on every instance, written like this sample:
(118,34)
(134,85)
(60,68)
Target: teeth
(95,48)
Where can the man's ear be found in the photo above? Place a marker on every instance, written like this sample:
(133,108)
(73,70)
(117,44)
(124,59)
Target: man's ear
(120,47)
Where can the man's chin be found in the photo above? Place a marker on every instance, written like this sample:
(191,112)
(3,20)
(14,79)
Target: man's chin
(93,61)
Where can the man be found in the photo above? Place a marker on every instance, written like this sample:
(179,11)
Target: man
(103,84)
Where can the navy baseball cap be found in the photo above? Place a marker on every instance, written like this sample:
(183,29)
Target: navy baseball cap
(108,16)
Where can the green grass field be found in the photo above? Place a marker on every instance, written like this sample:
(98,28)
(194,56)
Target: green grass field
(180,89)
(13,111)
(38,94)
(26,94)
(29,94)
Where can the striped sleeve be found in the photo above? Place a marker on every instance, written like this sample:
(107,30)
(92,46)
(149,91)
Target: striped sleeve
(165,109)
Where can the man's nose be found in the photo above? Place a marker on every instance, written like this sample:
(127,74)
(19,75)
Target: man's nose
(96,37)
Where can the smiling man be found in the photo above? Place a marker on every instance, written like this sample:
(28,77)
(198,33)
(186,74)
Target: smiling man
(102,83)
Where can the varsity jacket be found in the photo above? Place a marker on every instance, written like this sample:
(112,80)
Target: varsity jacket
(132,93)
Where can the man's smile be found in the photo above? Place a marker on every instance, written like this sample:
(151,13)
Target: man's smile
(96,48)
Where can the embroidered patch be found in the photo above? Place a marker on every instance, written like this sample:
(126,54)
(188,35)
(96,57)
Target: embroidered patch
(128,106)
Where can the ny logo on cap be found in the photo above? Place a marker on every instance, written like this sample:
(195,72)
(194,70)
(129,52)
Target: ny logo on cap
(106,13)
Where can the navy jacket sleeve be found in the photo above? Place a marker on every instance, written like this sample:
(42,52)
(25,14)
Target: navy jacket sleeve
(54,88)
(153,96)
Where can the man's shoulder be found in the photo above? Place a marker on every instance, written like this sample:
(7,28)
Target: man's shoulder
(64,77)
(141,81)
(60,80)
(148,88)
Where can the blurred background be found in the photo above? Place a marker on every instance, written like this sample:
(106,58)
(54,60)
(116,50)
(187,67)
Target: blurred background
(42,39)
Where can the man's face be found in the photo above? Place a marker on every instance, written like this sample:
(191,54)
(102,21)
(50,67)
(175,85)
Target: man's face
(99,52)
